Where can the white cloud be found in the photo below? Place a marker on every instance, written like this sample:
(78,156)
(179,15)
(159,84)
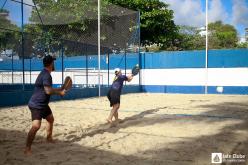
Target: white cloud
(187,12)
(216,12)
(190,12)
(240,12)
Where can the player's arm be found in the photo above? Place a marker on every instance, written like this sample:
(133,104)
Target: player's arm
(129,78)
(54,91)
(49,90)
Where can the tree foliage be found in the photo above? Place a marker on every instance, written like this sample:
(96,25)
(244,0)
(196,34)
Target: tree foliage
(222,36)
(9,32)
(190,39)
(76,21)
(243,45)
(157,25)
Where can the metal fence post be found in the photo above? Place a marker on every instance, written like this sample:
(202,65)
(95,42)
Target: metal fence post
(62,63)
(108,67)
(22,32)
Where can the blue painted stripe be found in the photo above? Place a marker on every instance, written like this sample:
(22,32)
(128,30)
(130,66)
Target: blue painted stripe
(173,89)
(15,87)
(195,59)
(243,90)
(164,60)
(228,58)
(75,62)
(20,97)
(230,90)
(149,60)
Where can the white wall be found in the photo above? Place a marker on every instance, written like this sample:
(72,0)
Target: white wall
(78,77)
(193,77)
(186,77)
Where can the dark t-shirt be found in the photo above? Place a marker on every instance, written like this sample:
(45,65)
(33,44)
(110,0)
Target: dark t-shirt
(40,99)
(118,82)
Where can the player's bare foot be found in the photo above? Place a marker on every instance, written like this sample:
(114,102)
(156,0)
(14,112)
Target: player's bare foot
(109,121)
(27,152)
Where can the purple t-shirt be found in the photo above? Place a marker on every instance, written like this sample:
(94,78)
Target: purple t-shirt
(40,99)
(118,82)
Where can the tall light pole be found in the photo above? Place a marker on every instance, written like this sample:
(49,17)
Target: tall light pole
(206,56)
(22,38)
(99,47)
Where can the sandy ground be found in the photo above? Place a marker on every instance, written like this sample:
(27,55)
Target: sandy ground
(156,129)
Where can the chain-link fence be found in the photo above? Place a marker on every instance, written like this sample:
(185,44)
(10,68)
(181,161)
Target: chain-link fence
(32,29)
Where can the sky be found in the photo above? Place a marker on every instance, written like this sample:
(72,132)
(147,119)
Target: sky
(14,9)
(186,12)
(192,12)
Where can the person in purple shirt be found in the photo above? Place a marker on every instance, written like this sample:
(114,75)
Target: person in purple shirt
(38,103)
(115,92)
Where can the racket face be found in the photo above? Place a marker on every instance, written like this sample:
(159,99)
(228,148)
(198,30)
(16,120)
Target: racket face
(135,70)
(67,83)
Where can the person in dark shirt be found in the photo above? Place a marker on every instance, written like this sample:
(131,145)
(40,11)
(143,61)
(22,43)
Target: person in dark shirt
(115,92)
(38,103)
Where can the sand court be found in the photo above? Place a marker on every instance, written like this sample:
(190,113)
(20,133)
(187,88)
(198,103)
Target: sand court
(155,129)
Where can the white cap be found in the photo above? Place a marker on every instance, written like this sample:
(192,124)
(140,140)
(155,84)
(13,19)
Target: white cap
(117,70)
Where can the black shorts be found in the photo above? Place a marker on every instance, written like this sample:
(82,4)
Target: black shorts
(114,97)
(38,114)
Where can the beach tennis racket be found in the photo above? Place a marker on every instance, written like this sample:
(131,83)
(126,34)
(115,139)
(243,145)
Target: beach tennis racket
(135,70)
(67,83)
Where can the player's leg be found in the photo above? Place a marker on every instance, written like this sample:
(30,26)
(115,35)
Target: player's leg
(109,97)
(31,135)
(116,113)
(113,111)
(115,102)
(49,125)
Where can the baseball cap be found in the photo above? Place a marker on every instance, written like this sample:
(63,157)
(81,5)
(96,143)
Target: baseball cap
(47,60)
(117,70)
